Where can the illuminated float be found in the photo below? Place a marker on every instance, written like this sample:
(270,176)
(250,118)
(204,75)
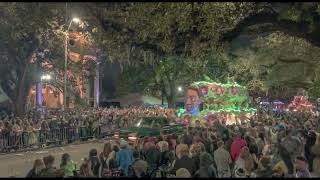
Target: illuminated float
(208,101)
(275,106)
(300,104)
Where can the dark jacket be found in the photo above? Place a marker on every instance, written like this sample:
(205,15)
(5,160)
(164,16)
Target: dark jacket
(152,157)
(48,172)
(267,173)
(166,158)
(204,172)
(196,160)
(206,166)
(95,165)
(184,162)
(32,173)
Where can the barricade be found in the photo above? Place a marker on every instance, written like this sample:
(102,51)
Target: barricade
(40,138)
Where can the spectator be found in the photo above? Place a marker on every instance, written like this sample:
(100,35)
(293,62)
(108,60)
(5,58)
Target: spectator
(245,162)
(152,157)
(124,157)
(236,146)
(166,156)
(195,151)
(37,167)
(104,155)
(302,167)
(284,167)
(68,166)
(139,167)
(49,170)
(183,173)
(85,170)
(206,169)
(265,170)
(94,161)
(222,160)
(183,160)
(315,150)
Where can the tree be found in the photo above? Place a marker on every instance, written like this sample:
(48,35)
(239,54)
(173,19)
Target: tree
(180,35)
(32,43)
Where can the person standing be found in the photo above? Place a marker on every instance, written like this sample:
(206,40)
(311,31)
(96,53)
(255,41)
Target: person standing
(302,170)
(37,167)
(236,146)
(124,157)
(223,160)
(183,160)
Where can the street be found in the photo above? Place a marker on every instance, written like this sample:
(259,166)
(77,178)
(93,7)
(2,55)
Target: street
(18,164)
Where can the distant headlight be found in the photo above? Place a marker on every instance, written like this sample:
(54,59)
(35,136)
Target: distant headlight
(116,135)
(132,137)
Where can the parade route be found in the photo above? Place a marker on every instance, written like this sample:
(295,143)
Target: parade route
(18,164)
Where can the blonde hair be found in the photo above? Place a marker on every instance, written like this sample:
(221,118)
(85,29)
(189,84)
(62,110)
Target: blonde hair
(195,149)
(163,145)
(182,149)
(183,173)
(248,159)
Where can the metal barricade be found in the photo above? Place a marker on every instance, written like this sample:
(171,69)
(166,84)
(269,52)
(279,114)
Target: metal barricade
(83,133)
(41,138)
(72,134)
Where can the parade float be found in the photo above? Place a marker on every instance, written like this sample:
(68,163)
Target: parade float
(275,106)
(208,101)
(300,104)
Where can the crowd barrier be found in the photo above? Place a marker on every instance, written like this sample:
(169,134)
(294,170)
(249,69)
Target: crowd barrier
(40,138)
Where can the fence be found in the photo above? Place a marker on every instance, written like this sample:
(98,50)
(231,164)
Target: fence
(40,138)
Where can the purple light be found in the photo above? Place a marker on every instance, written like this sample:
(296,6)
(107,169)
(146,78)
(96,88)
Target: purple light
(97,85)
(39,96)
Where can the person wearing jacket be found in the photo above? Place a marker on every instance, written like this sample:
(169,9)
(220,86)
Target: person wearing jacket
(183,160)
(236,146)
(95,162)
(206,169)
(265,169)
(37,167)
(124,157)
(315,151)
(222,160)
(152,157)
(49,170)
(68,166)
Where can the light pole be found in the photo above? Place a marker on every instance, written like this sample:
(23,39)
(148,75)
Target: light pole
(76,20)
(46,78)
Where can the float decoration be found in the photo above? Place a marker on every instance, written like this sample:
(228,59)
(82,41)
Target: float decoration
(228,99)
(300,104)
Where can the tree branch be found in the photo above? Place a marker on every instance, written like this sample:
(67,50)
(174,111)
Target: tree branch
(299,29)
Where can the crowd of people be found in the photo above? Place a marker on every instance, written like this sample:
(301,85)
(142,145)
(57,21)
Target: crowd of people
(34,128)
(266,146)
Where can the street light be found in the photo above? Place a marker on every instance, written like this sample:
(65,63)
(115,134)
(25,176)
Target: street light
(46,78)
(75,20)
(180,89)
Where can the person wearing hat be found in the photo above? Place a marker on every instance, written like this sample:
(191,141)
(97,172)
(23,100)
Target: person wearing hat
(124,157)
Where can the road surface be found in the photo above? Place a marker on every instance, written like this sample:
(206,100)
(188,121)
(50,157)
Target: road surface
(18,164)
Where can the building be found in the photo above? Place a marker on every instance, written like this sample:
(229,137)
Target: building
(83,84)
